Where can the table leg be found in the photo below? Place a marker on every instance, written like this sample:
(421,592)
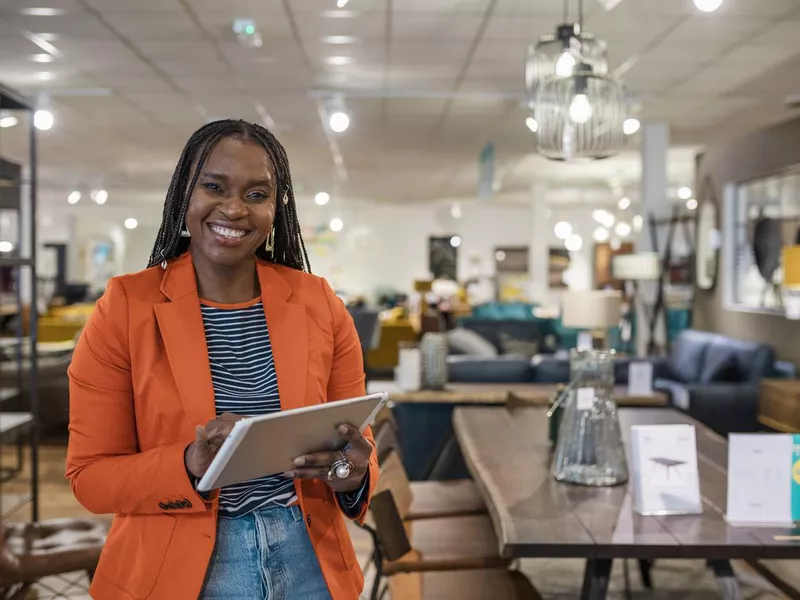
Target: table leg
(726,579)
(595,579)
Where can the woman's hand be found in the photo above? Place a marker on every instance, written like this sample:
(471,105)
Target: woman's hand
(208,441)
(318,466)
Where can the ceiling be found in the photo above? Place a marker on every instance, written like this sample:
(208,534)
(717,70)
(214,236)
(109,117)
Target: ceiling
(428,84)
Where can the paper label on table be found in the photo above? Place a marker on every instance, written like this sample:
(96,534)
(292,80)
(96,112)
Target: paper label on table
(796,478)
(760,478)
(664,465)
(640,379)
(585,398)
(585,340)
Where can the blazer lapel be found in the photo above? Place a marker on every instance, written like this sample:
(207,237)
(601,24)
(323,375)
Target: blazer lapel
(181,325)
(288,334)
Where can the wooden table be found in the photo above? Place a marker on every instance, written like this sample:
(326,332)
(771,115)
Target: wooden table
(508,454)
(779,404)
(535,394)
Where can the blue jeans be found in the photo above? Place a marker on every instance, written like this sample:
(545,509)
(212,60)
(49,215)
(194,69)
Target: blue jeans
(266,555)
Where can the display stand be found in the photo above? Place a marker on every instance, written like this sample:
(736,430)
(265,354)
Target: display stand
(19,400)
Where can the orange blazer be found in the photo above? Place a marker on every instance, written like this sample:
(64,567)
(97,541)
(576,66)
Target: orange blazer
(140,382)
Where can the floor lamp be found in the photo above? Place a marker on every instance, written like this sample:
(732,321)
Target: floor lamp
(636,269)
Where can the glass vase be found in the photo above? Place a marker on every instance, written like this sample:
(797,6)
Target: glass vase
(589,450)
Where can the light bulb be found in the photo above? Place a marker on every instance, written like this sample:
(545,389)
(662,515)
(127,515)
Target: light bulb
(6,246)
(630,126)
(574,243)
(131,223)
(322,198)
(622,229)
(684,193)
(341,3)
(624,203)
(532,124)
(339,122)
(74,197)
(580,110)
(708,5)
(336,224)
(691,204)
(601,234)
(563,230)
(455,241)
(43,119)
(565,63)
(99,196)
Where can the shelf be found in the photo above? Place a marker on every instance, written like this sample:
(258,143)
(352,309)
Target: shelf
(15,261)
(12,421)
(8,393)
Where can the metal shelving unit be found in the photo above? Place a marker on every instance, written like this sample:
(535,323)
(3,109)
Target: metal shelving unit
(19,426)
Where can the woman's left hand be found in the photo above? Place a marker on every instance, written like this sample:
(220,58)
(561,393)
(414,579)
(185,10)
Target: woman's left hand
(318,465)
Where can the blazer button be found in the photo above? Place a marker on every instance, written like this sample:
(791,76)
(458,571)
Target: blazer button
(185,503)
(163,506)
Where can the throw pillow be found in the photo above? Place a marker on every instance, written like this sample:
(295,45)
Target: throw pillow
(721,368)
(512,345)
(466,341)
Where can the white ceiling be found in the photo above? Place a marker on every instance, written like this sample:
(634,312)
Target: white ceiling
(429,83)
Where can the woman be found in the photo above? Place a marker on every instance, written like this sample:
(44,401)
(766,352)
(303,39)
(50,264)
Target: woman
(226,322)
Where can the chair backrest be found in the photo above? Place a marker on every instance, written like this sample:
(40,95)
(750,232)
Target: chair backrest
(366,321)
(386,440)
(389,506)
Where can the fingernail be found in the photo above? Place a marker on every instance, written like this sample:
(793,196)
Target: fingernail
(343,429)
(289,474)
(299,462)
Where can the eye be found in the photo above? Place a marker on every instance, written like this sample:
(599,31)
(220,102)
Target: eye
(212,187)
(258,195)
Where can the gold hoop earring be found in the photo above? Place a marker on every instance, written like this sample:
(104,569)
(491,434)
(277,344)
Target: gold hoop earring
(270,244)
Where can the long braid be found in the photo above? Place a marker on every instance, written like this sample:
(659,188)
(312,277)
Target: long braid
(289,248)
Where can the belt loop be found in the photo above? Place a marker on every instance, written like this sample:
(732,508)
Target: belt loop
(297,514)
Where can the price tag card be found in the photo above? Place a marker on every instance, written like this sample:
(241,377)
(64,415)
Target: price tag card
(665,476)
(761,479)
(585,340)
(640,379)
(585,398)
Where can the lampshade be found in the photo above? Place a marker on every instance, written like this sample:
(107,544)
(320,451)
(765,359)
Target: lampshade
(643,266)
(570,46)
(594,309)
(580,117)
(791,267)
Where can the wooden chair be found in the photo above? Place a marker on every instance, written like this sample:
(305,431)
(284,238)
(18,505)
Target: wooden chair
(430,499)
(436,558)
(30,552)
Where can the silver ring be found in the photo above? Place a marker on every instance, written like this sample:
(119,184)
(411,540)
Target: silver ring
(341,468)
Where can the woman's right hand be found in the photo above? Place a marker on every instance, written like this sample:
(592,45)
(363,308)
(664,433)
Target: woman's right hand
(208,441)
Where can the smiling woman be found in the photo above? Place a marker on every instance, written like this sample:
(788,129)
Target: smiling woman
(226,322)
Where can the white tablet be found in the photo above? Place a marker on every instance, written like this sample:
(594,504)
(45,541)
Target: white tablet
(268,444)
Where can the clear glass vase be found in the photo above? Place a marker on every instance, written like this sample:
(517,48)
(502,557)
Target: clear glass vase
(589,450)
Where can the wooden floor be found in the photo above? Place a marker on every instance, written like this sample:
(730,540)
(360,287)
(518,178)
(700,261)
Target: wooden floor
(556,579)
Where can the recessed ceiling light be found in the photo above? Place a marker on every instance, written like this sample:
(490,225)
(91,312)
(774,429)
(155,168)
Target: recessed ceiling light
(42,58)
(43,119)
(131,223)
(336,224)
(691,204)
(341,3)
(631,126)
(322,198)
(8,121)
(684,193)
(41,12)
(531,123)
(338,60)
(339,122)
(624,203)
(44,76)
(455,241)
(708,5)
(339,39)
(338,14)
(74,197)
(6,246)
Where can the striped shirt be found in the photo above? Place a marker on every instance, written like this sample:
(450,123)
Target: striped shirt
(246,383)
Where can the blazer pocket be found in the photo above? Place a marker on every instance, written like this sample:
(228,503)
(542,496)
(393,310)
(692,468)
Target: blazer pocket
(134,552)
(340,528)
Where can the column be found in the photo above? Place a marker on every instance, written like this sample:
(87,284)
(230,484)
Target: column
(538,260)
(653,202)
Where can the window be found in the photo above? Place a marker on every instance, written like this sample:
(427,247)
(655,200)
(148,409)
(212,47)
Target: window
(766,217)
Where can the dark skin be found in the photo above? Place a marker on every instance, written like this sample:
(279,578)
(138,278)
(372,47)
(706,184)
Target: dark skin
(230,215)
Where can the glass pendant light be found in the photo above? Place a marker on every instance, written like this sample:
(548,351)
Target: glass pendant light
(580,117)
(558,55)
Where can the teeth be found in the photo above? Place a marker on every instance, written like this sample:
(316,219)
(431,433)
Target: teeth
(228,233)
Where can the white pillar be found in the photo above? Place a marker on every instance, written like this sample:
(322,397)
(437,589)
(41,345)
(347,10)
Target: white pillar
(653,202)
(538,259)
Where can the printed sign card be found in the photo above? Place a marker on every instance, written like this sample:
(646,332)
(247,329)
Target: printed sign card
(640,379)
(664,465)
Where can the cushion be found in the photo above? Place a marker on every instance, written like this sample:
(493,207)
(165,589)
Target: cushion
(465,341)
(513,345)
(679,395)
(721,367)
(687,356)
(507,368)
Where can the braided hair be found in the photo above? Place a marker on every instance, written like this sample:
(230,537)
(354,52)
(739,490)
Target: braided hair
(289,249)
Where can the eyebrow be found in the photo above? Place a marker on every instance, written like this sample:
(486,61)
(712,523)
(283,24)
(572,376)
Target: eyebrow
(222,177)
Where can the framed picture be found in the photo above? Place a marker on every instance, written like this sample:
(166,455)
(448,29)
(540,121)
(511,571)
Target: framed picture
(442,258)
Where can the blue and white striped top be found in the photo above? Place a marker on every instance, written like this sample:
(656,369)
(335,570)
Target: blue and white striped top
(246,383)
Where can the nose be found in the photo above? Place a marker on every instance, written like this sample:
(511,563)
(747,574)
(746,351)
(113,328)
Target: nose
(233,208)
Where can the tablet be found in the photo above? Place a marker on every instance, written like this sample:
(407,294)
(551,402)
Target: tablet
(268,444)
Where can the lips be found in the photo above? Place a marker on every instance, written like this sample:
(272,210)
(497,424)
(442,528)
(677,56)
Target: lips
(227,235)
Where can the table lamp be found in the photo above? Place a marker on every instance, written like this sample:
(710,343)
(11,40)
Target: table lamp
(592,310)
(791,281)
